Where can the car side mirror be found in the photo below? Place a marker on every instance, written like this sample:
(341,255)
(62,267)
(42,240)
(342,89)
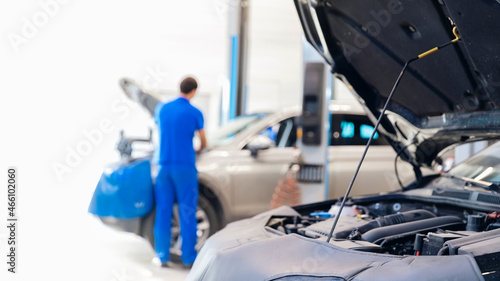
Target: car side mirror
(260,142)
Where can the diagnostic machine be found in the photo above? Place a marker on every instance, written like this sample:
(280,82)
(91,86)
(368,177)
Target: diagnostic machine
(313,133)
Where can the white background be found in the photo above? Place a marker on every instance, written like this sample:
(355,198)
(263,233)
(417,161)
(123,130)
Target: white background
(59,71)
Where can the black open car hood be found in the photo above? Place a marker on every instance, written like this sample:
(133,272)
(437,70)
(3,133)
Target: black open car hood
(446,98)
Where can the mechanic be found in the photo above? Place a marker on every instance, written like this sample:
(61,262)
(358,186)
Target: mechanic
(177,179)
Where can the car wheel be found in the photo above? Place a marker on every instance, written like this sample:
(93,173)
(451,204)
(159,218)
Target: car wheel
(208,224)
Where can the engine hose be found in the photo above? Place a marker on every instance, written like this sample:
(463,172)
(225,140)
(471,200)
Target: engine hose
(404,217)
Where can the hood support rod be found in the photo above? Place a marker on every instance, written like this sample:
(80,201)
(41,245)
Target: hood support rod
(382,113)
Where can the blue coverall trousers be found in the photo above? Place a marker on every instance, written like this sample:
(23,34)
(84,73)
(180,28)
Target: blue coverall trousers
(176,184)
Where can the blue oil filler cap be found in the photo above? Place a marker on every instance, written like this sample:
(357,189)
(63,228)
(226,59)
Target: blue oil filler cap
(324,215)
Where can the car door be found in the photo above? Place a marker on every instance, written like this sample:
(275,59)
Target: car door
(349,135)
(255,177)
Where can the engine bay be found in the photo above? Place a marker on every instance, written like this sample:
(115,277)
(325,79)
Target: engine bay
(404,228)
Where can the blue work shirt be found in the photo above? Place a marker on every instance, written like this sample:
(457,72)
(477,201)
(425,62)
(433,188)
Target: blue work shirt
(177,121)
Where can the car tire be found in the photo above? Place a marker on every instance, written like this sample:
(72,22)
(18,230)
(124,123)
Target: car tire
(208,224)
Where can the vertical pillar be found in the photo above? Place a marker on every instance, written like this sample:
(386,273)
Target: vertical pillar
(242,58)
(238,33)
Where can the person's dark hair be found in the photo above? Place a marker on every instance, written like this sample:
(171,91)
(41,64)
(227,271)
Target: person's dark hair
(188,84)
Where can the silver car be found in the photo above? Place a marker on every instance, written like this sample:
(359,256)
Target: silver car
(248,156)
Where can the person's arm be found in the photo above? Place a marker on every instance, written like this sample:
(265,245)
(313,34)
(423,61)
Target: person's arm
(203,140)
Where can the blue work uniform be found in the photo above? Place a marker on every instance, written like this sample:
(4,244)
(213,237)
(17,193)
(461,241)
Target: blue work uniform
(177,179)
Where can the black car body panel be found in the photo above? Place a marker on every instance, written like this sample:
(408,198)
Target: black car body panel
(449,97)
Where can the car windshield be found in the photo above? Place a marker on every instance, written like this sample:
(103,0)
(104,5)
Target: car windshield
(484,166)
(227,132)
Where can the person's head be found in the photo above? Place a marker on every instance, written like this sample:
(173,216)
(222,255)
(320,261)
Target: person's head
(188,87)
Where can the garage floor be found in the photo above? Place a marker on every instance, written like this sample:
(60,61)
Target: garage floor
(119,256)
(79,247)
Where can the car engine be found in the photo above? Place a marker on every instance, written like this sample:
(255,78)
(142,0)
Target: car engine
(405,228)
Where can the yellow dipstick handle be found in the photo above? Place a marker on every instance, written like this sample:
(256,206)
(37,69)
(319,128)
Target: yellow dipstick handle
(428,52)
(457,37)
(455,32)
